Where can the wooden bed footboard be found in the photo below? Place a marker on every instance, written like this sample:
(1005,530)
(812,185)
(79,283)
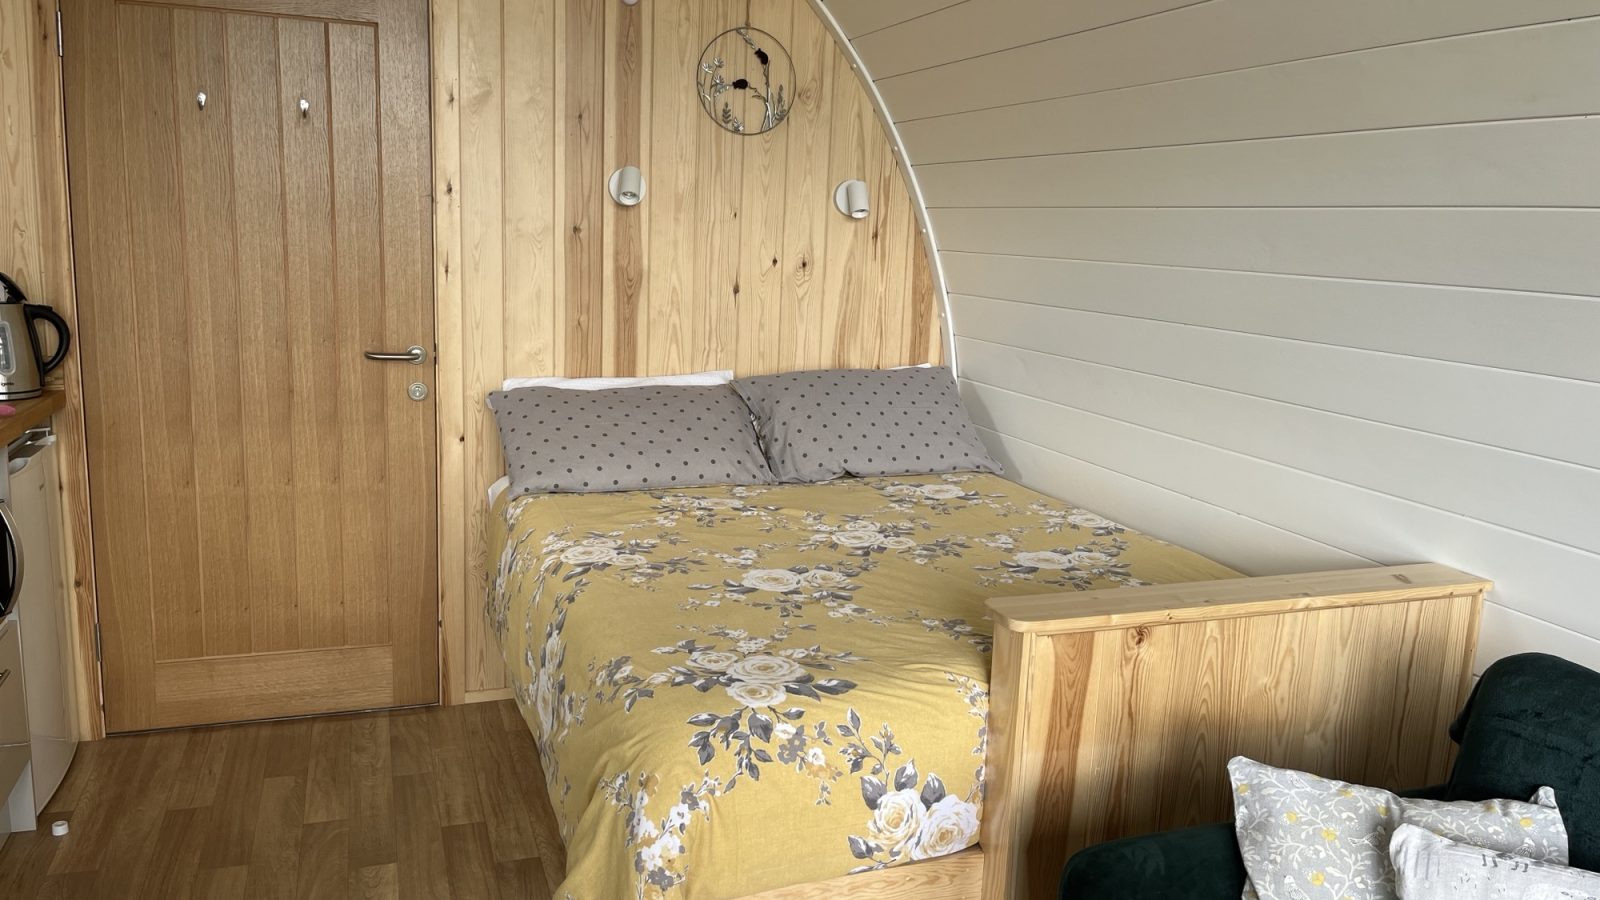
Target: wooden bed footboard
(1114,712)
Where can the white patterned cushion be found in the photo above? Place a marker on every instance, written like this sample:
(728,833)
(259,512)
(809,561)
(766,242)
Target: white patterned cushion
(1429,867)
(1307,838)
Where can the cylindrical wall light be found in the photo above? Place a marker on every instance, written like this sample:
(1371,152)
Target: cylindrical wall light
(852,199)
(627,186)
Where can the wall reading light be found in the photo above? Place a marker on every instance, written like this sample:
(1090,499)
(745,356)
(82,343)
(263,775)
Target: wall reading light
(627,186)
(852,199)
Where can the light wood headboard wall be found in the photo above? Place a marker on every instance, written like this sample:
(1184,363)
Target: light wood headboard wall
(736,259)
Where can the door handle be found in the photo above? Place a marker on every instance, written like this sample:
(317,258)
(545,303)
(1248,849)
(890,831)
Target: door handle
(414,355)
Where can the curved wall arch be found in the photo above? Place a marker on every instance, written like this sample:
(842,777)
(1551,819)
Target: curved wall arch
(1301,286)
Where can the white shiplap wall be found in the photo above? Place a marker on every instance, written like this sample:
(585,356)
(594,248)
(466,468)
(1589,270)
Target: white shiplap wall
(1297,283)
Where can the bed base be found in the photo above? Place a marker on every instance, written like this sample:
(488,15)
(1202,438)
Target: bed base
(1113,713)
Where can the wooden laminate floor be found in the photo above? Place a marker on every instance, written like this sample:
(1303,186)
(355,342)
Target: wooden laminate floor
(441,802)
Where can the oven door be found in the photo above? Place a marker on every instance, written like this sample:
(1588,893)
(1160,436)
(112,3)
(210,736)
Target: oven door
(11,582)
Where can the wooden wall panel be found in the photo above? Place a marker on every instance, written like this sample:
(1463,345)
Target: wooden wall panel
(36,249)
(736,259)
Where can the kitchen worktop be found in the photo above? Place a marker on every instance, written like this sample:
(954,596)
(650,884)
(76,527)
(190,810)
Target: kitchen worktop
(30,413)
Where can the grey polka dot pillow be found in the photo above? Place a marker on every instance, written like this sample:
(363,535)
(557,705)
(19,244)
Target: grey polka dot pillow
(628,439)
(816,426)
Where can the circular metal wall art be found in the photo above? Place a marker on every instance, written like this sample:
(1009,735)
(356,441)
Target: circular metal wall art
(745,81)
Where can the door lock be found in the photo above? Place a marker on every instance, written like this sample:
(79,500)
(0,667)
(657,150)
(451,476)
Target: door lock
(417,391)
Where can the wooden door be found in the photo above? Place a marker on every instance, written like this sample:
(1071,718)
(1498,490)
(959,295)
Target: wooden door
(263,497)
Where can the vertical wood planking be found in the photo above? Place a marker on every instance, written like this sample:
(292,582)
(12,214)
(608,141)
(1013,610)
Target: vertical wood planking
(536,104)
(212,328)
(486,200)
(118,438)
(718,174)
(628,63)
(245,407)
(264,346)
(450,346)
(149,100)
(490,213)
(21,253)
(852,333)
(689,286)
(583,126)
(54,235)
(313,329)
(671,199)
(411,491)
(808,192)
(358,311)
(758,305)
(1113,718)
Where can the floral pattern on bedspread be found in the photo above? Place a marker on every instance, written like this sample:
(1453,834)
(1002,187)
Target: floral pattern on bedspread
(738,688)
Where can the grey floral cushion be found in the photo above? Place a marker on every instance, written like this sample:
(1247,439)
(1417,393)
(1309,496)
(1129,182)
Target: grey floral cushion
(821,425)
(1428,866)
(1305,837)
(560,441)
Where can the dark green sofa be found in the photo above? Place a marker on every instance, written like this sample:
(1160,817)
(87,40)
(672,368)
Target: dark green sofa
(1532,720)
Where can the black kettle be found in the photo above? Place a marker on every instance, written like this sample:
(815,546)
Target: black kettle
(22,366)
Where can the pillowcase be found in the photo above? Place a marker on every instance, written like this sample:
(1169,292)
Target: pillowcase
(627,439)
(817,426)
(701,379)
(1428,866)
(1303,836)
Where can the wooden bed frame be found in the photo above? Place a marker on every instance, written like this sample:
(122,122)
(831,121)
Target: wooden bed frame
(1114,712)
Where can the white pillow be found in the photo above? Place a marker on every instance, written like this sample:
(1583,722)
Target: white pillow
(1428,866)
(1302,836)
(698,379)
(499,487)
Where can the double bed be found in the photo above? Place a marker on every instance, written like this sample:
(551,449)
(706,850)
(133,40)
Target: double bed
(758,661)
(739,688)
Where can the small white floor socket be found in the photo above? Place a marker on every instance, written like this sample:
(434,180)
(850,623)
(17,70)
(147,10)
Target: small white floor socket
(59,829)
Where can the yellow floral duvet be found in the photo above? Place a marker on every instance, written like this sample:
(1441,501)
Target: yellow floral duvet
(739,688)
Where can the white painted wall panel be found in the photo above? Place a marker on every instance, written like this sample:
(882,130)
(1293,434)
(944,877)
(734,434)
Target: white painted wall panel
(1301,284)
(1533,576)
(1260,548)
(1514,249)
(1555,333)
(979,27)
(859,17)
(1452,81)
(1541,497)
(1539,163)
(1201,39)
(1471,403)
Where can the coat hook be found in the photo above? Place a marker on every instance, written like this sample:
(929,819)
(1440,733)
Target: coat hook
(305,107)
(200,98)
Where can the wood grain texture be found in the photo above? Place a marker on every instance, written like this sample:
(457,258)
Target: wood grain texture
(1162,604)
(265,511)
(736,259)
(310,808)
(1108,722)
